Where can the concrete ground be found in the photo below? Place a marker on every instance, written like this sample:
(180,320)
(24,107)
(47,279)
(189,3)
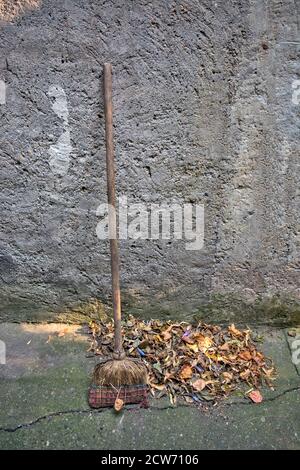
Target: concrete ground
(43,393)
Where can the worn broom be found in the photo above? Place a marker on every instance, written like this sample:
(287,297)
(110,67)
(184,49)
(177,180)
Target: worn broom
(118,377)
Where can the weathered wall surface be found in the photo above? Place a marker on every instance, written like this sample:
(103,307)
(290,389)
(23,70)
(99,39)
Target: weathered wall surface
(206,111)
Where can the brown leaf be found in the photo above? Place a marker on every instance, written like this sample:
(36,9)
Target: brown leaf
(147,328)
(166,335)
(187,339)
(245,355)
(227,376)
(224,347)
(234,331)
(259,358)
(268,372)
(255,396)
(186,372)
(245,374)
(204,342)
(118,404)
(168,376)
(199,385)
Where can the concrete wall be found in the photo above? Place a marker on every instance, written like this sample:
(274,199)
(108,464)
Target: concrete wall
(206,103)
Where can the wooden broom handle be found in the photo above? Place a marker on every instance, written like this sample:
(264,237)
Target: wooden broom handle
(112,218)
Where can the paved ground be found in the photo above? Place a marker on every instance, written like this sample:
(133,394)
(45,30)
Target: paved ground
(43,402)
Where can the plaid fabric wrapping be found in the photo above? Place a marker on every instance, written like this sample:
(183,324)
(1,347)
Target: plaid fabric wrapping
(102,396)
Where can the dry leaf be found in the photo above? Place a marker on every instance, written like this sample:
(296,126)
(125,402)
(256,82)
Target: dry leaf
(186,372)
(118,404)
(204,342)
(49,339)
(199,385)
(245,374)
(187,339)
(258,358)
(144,327)
(159,387)
(188,399)
(245,355)
(166,334)
(224,347)
(268,372)
(193,347)
(234,331)
(168,376)
(172,399)
(158,338)
(255,396)
(227,376)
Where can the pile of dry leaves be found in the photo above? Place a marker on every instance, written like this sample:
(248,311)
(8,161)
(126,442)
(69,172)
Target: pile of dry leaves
(197,362)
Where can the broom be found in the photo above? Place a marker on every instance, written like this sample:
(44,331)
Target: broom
(118,377)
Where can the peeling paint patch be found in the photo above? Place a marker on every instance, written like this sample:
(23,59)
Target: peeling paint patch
(2,92)
(60,152)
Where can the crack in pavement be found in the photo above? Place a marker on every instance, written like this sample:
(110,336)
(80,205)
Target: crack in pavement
(156,408)
(50,415)
(266,400)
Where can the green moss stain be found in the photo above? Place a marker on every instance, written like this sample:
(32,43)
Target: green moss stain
(278,310)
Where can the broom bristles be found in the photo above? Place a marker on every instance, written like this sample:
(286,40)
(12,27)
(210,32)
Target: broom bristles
(120,372)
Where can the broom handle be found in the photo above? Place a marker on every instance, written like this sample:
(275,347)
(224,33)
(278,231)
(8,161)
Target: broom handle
(112,219)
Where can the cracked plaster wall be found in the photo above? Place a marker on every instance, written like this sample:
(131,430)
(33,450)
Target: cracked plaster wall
(206,111)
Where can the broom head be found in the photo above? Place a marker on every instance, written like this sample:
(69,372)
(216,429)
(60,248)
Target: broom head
(125,379)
